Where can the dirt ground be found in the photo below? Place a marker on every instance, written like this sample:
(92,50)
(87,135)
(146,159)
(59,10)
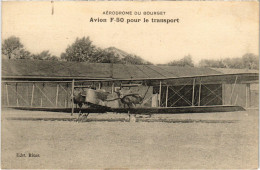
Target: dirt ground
(212,140)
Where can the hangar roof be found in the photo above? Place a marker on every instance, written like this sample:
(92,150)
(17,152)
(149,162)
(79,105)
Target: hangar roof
(61,70)
(44,68)
(234,71)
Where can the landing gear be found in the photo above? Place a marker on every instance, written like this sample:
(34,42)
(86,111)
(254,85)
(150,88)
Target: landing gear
(83,116)
(132,117)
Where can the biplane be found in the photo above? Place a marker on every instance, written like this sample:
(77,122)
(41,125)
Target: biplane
(132,89)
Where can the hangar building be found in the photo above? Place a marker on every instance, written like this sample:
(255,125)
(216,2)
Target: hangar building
(37,83)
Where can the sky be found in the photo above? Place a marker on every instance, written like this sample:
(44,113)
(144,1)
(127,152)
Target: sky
(206,30)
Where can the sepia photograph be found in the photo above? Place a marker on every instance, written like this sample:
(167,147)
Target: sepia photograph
(129,85)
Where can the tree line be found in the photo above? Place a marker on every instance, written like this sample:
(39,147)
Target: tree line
(247,61)
(14,49)
(83,50)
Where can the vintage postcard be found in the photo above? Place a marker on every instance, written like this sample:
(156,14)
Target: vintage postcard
(129,84)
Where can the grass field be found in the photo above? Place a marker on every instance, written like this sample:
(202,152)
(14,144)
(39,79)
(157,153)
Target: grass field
(211,140)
